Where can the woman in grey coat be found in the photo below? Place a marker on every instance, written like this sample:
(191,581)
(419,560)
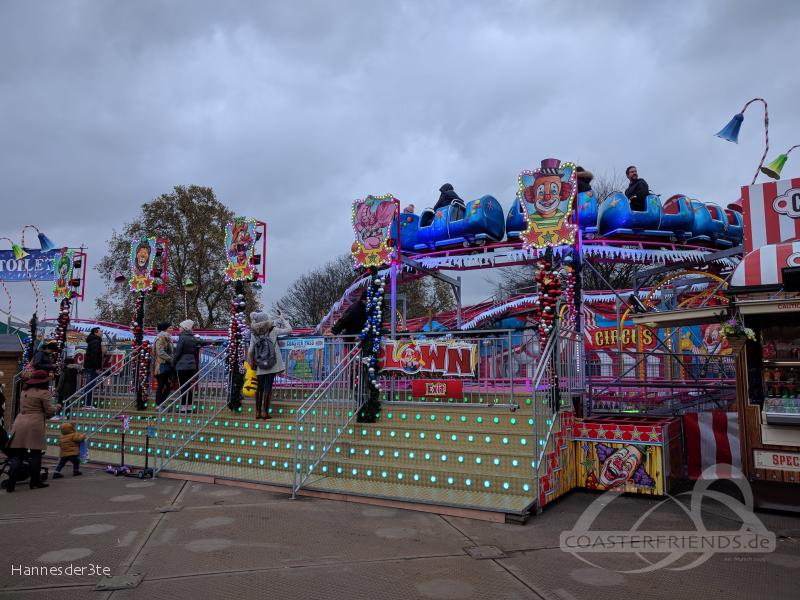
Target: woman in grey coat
(185,360)
(261,326)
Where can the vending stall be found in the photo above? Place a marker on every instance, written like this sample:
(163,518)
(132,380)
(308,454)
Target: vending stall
(765,289)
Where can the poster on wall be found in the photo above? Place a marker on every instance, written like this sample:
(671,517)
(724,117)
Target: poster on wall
(372,219)
(446,357)
(140,263)
(547,197)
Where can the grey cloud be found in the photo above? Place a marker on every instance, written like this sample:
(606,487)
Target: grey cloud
(284,108)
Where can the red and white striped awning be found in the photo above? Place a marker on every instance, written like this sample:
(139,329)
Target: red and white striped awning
(763,266)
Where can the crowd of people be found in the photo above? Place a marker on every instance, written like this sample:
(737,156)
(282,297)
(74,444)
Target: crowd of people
(46,388)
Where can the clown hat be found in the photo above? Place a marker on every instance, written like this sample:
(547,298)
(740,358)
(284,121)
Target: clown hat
(550,166)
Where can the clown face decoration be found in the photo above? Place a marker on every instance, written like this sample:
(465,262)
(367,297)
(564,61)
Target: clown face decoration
(372,220)
(141,264)
(548,196)
(240,246)
(620,466)
(62,265)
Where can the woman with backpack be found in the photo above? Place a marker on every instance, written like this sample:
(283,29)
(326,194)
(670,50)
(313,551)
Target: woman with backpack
(265,357)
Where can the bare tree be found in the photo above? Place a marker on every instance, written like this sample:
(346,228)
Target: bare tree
(193,222)
(310,296)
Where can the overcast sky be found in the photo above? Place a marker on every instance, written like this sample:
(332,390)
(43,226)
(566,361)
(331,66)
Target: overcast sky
(291,110)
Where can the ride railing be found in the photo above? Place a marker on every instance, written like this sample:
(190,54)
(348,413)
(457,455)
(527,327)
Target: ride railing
(186,412)
(558,383)
(328,411)
(96,403)
(659,383)
(505,363)
(309,361)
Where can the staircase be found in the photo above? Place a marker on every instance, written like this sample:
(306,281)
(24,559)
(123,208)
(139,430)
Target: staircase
(490,458)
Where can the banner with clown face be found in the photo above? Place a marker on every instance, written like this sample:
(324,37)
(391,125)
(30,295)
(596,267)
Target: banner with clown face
(62,267)
(372,220)
(240,246)
(142,257)
(547,197)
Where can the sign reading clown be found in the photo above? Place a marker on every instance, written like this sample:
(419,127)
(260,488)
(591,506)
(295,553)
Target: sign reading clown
(448,357)
(547,195)
(240,244)
(62,267)
(372,220)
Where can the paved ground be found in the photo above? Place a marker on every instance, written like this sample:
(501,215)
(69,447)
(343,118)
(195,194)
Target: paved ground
(201,541)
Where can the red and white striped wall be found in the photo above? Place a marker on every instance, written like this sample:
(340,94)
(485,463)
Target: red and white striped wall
(770,213)
(712,440)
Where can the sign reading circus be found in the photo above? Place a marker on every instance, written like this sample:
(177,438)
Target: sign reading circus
(448,357)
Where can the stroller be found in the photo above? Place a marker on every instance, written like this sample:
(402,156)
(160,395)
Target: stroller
(5,466)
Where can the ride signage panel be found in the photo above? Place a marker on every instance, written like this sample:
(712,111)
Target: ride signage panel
(448,357)
(776,460)
(437,388)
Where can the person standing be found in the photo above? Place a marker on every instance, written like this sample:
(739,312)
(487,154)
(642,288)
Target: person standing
(28,433)
(92,360)
(265,356)
(44,358)
(637,191)
(353,319)
(162,366)
(185,360)
(70,442)
(67,381)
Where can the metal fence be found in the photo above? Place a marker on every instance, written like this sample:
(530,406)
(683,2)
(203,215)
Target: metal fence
(658,382)
(322,418)
(309,362)
(187,411)
(506,361)
(96,403)
(558,383)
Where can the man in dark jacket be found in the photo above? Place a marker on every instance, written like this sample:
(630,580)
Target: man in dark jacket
(353,319)
(446,196)
(92,360)
(637,190)
(43,359)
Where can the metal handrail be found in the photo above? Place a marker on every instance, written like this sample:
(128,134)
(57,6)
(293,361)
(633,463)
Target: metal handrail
(168,407)
(348,380)
(70,402)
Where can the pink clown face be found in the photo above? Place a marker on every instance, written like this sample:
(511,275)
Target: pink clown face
(620,466)
(369,224)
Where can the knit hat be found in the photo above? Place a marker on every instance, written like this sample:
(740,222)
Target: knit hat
(260,318)
(186,325)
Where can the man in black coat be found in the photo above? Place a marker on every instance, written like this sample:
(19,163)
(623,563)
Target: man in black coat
(353,319)
(446,196)
(637,190)
(93,359)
